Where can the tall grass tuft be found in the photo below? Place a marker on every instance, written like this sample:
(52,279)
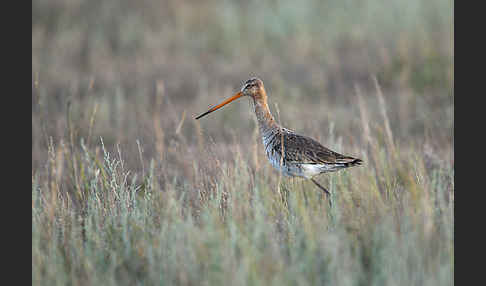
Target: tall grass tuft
(239,230)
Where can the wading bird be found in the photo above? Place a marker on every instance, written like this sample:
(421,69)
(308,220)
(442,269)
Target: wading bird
(292,154)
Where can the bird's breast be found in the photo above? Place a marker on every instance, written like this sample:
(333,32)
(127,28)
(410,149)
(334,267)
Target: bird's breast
(274,157)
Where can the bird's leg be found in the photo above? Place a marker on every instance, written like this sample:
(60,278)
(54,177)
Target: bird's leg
(325,190)
(322,188)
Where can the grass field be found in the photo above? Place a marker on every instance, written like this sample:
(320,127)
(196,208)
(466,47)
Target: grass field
(129,189)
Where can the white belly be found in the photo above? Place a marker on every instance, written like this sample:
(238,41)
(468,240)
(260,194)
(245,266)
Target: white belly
(301,170)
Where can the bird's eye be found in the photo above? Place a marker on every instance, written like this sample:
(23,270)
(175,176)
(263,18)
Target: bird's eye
(249,86)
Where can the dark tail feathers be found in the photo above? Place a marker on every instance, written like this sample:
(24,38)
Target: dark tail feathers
(354,162)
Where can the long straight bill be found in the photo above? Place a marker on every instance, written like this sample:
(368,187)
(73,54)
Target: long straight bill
(236,96)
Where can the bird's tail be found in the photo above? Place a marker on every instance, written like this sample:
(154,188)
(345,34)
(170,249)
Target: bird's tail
(349,162)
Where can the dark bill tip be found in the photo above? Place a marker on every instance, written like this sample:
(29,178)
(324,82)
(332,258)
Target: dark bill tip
(205,113)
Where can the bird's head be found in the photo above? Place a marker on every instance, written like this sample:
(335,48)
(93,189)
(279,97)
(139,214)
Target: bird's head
(252,88)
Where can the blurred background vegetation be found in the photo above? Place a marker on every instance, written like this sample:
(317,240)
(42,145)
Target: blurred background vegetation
(122,55)
(131,75)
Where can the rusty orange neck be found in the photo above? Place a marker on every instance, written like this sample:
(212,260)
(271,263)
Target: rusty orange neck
(262,112)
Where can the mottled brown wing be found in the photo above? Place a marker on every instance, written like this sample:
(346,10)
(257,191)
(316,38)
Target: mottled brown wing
(305,150)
